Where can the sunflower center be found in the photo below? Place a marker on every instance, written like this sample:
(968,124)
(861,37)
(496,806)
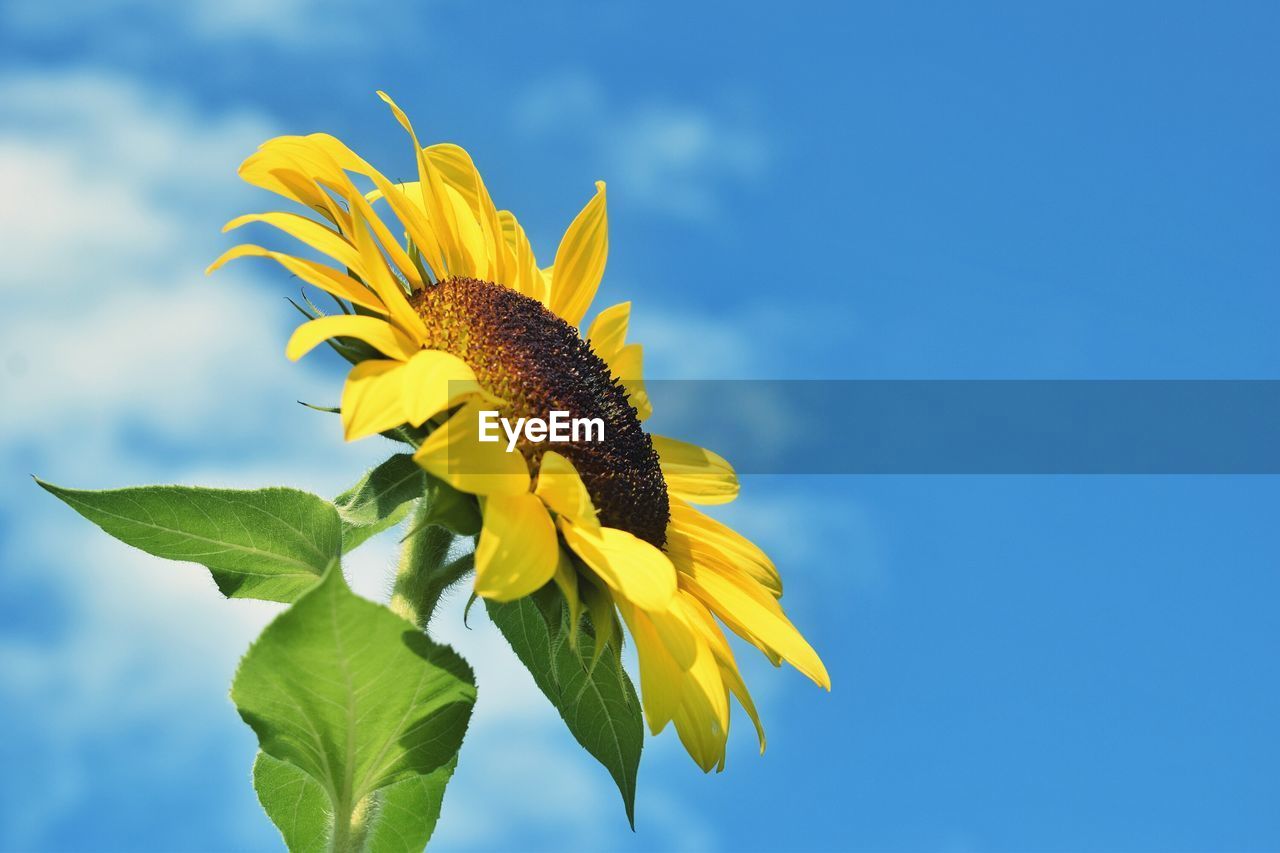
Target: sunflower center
(538,363)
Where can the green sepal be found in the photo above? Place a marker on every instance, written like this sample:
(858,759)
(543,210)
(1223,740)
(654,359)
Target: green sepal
(405,434)
(449,508)
(380,499)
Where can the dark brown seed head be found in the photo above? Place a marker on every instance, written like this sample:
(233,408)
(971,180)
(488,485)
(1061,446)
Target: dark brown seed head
(537,363)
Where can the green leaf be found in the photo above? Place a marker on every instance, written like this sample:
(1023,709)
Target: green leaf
(380,499)
(359,700)
(405,814)
(295,802)
(399,819)
(271,544)
(598,704)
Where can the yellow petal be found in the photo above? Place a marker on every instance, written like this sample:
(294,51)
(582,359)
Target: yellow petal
(315,235)
(318,153)
(580,260)
(517,551)
(526,278)
(460,172)
(272,170)
(704,681)
(701,733)
(304,158)
(702,719)
(709,629)
(374,331)
(680,679)
(660,676)
(631,567)
(695,474)
(608,330)
(627,366)
(406,201)
(694,536)
(470,237)
(371,398)
(563,491)
(751,613)
(454,453)
(678,636)
(434,198)
(324,277)
(434,381)
(378,276)
(733,680)
(323,160)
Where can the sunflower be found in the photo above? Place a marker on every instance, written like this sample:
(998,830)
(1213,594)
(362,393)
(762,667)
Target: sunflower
(455,317)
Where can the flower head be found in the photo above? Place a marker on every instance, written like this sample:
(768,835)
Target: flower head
(447,314)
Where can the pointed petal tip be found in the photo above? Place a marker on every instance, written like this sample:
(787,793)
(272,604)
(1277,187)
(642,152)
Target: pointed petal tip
(229,255)
(235,223)
(655,728)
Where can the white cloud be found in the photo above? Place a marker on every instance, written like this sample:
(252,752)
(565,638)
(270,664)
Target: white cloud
(112,338)
(110,324)
(111,331)
(153,645)
(668,155)
(63,209)
(111,184)
(289,23)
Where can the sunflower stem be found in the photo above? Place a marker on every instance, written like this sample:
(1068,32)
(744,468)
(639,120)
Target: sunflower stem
(424,575)
(350,827)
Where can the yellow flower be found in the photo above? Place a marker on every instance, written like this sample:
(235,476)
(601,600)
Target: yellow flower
(463,319)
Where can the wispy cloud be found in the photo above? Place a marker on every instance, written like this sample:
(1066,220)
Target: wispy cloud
(114,341)
(109,334)
(110,324)
(669,155)
(287,23)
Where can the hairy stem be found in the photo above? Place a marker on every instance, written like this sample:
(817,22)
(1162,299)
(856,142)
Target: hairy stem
(424,576)
(350,827)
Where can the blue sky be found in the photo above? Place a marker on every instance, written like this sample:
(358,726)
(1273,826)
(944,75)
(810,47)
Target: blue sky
(917,190)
